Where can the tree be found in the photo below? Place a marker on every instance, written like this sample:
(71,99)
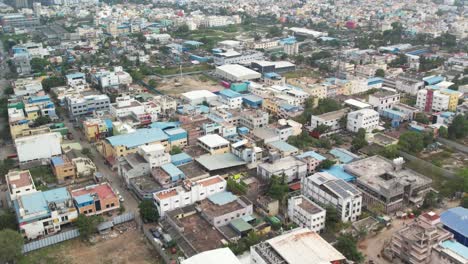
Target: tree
(458,128)
(278,188)
(52,82)
(464,202)
(11,246)
(326,105)
(390,152)
(411,141)
(443,132)
(322,128)
(239,188)
(87,225)
(275,31)
(8,221)
(421,118)
(148,211)
(331,217)
(359,141)
(42,120)
(38,64)
(325,164)
(430,200)
(175,150)
(379,73)
(346,244)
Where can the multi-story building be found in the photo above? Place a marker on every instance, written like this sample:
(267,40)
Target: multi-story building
(285,248)
(84,105)
(19,183)
(253,119)
(154,154)
(234,57)
(386,182)
(111,79)
(263,44)
(214,144)
(77,81)
(63,168)
(38,147)
(432,99)
(384,99)
(125,106)
(43,213)
(95,199)
(312,159)
(26,86)
(95,129)
(18,20)
(414,242)
(324,188)
(306,213)
(408,84)
(367,119)
(330,119)
(223,207)
(291,167)
(230,98)
(188,193)
(449,252)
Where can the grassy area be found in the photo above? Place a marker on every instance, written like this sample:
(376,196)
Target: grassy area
(176,70)
(42,176)
(302,73)
(47,255)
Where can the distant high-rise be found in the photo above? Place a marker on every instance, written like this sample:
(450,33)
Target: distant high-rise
(21,3)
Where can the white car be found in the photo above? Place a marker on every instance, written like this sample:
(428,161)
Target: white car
(121,199)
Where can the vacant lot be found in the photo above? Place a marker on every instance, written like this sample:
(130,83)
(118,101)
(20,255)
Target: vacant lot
(188,83)
(114,248)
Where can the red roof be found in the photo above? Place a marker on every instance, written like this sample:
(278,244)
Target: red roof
(431,216)
(295,186)
(103,191)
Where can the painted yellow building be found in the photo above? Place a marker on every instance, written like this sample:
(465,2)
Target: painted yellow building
(17,128)
(96,129)
(121,145)
(453,98)
(271,105)
(214,144)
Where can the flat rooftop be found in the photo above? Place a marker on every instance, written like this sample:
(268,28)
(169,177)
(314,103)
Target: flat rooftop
(200,233)
(333,115)
(104,191)
(307,205)
(19,179)
(214,210)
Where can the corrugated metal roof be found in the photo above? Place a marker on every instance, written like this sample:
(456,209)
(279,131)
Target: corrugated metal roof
(456,219)
(171,169)
(138,138)
(283,146)
(222,198)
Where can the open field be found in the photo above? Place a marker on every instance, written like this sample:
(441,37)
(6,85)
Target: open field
(129,247)
(184,84)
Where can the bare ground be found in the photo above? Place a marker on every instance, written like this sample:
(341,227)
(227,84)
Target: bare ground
(184,84)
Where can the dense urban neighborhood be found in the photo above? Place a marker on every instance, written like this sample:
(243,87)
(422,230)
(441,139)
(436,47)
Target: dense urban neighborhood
(234,132)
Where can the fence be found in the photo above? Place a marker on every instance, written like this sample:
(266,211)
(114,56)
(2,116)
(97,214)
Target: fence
(67,235)
(51,240)
(157,246)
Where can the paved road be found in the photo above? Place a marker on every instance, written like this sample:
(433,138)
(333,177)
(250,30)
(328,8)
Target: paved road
(130,203)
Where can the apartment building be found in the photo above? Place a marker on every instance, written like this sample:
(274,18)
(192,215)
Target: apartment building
(230,98)
(388,183)
(291,167)
(63,168)
(449,252)
(19,183)
(330,119)
(26,86)
(367,119)
(188,193)
(83,105)
(431,99)
(306,213)
(409,84)
(214,144)
(414,242)
(38,147)
(95,199)
(253,119)
(77,81)
(223,207)
(325,188)
(312,159)
(384,99)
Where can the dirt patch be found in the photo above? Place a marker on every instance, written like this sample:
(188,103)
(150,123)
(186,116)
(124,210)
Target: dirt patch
(188,83)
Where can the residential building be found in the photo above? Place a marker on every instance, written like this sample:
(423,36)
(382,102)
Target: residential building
(253,119)
(433,99)
(386,182)
(414,242)
(330,119)
(223,207)
(177,136)
(77,81)
(84,105)
(312,159)
(111,79)
(300,245)
(125,106)
(43,213)
(409,84)
(188,193)
(38,147)
(324,188)
(449,252)
(95,199)
(214,144)
(26,86)
(63,168)
(291,167)
(283,148)
(96,129)
(18,20)
(230,98)
(384,99)
(306,213)
(19,183)
(367,119)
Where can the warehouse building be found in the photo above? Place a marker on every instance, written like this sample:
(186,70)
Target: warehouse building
(236,73)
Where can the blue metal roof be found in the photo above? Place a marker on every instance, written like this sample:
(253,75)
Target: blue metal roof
(181,158)
(108,123)
(229,93)
(271,75)
(456,247)
(57,161)
(56,195)
(172,170)
(175,131)
(34,203)
(165,125)
(343,155)
(138,138)
(283,146)
(222,198)
(75,75)
(456,219)
(433,80)
(312,154)
(338,172)
(252,98)
(85,198)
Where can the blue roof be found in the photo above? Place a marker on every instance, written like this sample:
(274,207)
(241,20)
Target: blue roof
(456,219)
(343,155)
(75,75)
(138,138)
(312,154)
(175,131)
(222,198)
(229,93)
(108,123)
(433,80)
(38,98)
(165,125)
(85,198)
(193,43)
(456,247)
(283,146)
(171,169)
(252,98)
(56,195)
(289,107)
(57,161)
(374,79)
(270,75)
(338,172)
(34,203)
(181,157)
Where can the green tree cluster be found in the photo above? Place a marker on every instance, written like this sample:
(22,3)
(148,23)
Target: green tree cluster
(238,188)
(87,225)
(245,243)
(278,187)
(414,142)
(347,245)
(325,164)
(459,127)
(148,211)
(421,118)
(11,246)
(51,82)
(359,141)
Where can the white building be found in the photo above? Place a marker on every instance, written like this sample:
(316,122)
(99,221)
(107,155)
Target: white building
(384,99)
(106,79)
(199,96)
(324,188)
(230,98)
(432,100)
(306,213)
(254,119)
(26,86)
(236,73)
(330,119)
(213,257)
(154,154)
(233,57)
(77,81)
(364,118)
(298,246)
(125,106)
(37,147)
(19,183)
(189,193)
(214,144)
(291,167)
